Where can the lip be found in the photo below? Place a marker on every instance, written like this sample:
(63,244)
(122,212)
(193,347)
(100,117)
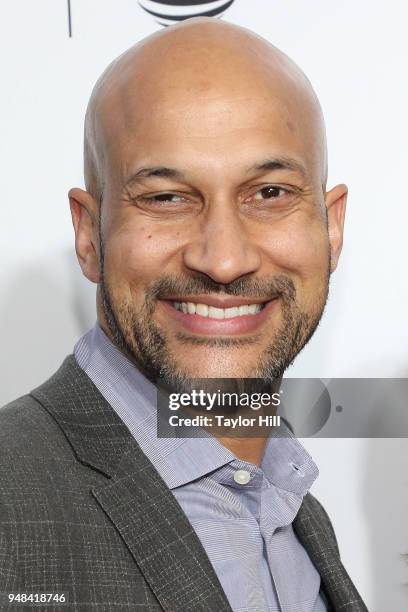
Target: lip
(213,327)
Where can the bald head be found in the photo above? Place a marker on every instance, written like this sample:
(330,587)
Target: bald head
(200,64)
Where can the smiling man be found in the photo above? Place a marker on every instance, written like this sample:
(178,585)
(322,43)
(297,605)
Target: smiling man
(208,229)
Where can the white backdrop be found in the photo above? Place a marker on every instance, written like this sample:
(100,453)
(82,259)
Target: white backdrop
(355,54)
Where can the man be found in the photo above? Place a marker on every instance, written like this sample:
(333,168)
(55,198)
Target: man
(208,229)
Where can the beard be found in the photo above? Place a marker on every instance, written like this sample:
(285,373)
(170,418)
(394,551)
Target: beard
(136,335)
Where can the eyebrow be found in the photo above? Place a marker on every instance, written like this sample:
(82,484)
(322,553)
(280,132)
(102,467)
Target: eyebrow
(160,171)
(267,165)
(279,163)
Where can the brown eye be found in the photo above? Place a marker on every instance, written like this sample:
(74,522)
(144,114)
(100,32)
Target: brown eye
(172,198)
(270,192)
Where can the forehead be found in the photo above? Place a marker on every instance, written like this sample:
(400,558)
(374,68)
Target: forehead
(209,119)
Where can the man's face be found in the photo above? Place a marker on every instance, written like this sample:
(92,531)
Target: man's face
(215,253)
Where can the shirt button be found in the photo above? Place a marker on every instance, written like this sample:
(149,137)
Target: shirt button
(242,477)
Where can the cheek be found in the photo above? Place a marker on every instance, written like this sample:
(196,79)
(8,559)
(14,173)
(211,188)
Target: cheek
(301,249)
(137,254)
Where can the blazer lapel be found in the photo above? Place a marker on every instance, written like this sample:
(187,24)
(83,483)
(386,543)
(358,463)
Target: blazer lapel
(160,538)
(138,502)
(312,528)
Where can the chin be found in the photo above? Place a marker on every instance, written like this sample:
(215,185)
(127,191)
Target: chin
(215,369)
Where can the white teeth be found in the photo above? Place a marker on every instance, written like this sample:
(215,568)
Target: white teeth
(217,313)
(254,308)
(231,312)
(202,309)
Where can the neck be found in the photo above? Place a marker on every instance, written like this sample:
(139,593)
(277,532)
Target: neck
(246,449)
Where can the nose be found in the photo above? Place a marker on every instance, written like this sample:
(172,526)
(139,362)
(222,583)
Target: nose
(222,246)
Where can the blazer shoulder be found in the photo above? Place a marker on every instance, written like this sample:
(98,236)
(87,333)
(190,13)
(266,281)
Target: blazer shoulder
(22,416)
(29,438)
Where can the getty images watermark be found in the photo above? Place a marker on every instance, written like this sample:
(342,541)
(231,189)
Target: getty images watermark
(221,401)
(327,408)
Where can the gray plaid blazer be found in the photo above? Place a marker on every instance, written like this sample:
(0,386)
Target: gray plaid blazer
(84,512)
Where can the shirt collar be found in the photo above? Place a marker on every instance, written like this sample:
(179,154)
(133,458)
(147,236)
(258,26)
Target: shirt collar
(285,463)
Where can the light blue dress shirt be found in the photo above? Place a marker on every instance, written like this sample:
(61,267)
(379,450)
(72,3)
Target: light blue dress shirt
(246,529)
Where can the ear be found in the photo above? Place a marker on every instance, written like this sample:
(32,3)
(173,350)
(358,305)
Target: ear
(336,200)
(85,214)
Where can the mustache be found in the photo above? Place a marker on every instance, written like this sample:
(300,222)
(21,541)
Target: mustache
(270,288)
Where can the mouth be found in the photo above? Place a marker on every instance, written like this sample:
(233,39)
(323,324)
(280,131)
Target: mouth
(211,315)
(213,312)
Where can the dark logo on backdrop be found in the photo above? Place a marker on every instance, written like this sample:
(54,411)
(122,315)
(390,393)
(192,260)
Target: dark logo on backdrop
(168,12)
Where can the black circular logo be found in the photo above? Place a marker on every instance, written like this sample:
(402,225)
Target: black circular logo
(168,12)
